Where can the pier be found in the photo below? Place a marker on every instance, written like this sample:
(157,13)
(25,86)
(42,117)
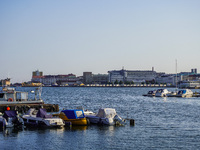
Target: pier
(21,108)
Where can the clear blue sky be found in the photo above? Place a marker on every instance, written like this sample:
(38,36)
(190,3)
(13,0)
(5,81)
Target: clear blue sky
(62,37)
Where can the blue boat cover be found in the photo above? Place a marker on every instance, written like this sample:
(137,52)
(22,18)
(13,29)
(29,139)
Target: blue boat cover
(43,114)
(10,113)
(74,114)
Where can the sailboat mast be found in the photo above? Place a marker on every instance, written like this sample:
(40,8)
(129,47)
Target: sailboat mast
(176,74)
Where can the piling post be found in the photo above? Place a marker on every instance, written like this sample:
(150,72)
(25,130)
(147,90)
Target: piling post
(132,122)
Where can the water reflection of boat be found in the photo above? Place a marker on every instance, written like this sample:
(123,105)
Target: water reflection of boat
(39,118)
(106,116)
(11,132)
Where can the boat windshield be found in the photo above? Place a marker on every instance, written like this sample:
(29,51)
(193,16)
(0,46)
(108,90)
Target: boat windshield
(79,114)
(182,92)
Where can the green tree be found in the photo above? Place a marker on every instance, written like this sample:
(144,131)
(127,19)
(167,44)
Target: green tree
(116,82)
(120,82)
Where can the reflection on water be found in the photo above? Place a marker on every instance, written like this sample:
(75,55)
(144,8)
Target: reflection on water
(10,132)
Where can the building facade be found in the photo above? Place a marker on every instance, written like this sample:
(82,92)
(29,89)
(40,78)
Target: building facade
(167,79)
(5,82)
(100,78)
(37,76)
(51,80)
(131,76)
(87,77)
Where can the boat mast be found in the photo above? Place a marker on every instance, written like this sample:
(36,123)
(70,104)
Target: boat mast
(176,74)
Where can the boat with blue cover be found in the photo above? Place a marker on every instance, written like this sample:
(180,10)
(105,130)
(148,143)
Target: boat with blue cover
(74,116)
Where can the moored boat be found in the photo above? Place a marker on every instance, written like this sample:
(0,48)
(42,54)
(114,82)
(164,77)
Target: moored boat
(185,93)
(106,116)
(11,96)
(10,119)
(39,118)
(162,93)
(74,116)
(150,93)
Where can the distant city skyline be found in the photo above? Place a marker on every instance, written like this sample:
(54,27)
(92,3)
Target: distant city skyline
(62,37)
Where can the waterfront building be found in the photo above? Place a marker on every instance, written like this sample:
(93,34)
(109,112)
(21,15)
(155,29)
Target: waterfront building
(189,84)
(5,82)
(37,76)
(169,79)
(49,80)
(131,76)
(87,77)
(100,78)
(65,80)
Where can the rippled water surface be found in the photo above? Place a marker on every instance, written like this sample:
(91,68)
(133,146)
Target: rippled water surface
(160,123)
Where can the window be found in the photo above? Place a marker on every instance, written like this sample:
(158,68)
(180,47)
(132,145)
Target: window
(1,95)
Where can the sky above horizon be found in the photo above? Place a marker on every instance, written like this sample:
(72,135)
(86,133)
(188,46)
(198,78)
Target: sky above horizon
(62,37)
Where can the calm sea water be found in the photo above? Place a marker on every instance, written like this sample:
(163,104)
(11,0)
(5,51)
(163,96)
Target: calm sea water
(160,123)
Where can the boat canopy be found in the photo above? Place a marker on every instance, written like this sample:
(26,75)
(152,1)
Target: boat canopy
(74,113)
(106,113)
(10,113)
(43,114)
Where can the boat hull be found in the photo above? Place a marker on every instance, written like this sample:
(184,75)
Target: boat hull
(78,121)
(40,122)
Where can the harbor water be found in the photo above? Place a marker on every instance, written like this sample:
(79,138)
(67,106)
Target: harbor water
(160,123)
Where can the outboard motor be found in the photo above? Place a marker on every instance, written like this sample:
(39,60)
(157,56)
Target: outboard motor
(119,121)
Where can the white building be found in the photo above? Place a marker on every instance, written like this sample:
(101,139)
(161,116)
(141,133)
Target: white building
(189,84)
(135,76)
(167,79)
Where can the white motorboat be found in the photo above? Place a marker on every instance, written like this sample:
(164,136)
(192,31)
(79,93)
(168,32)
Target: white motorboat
(11,96)
(10,119)
(161,93)
(106,116)
(39,118)
(150,93)
(185,93)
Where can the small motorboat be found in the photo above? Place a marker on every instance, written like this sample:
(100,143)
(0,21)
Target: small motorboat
(10,119)
(74,116)
(150,93)
(185,93)
(40,118)
(106,116)
(162,93)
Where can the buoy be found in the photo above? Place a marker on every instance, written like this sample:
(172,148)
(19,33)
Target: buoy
(132,122)
(8,108)
(10,100)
